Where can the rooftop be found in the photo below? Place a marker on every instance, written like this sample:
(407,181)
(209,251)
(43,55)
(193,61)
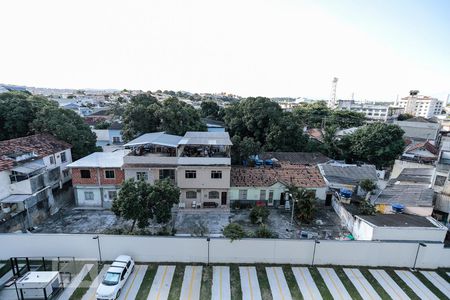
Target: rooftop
(156,138)
(288,174)
(304,158)
(415,175)
(399,220)
(101,160)
(206,138)
(347,174)
(41,144)
(405,194)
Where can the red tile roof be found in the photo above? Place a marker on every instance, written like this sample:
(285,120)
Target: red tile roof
(42,144)
(425,145)
(288,174)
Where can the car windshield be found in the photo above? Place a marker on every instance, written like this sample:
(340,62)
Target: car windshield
(111,278)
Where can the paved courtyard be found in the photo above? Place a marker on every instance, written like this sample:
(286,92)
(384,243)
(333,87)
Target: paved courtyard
(257,282)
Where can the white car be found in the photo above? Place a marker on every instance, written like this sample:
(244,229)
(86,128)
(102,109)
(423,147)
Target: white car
(115,278)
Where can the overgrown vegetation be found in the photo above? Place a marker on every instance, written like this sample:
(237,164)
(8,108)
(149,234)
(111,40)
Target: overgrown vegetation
(305,202)
(234,231)
(259,214)
(140,201)
(264,232)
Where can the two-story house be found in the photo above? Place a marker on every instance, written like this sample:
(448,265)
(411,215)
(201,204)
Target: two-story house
(198,163)
(96,178)
(30,168)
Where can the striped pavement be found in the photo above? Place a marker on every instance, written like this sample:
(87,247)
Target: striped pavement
(306,283)
(161,283)
(361,284)
(437,281)
(90,294)
(221,283)
(131,287)
(334,284)
(192,280)
(389,285)
(278,285)
(249,283)
(416,285)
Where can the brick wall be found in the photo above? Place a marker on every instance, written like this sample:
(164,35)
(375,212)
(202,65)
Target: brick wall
(76,177)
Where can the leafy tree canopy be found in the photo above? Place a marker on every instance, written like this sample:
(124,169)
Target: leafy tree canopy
(305,201)
(286,135)
(210,109)
(145,114)
(140,201)
(66,125)
(377,143)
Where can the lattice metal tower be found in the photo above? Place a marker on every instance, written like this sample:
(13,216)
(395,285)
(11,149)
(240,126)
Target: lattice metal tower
(332,102)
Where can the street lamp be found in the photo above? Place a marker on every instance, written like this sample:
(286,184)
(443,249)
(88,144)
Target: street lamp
(208,240)
(314,251)
(98,244)
(293,206)
(417,254)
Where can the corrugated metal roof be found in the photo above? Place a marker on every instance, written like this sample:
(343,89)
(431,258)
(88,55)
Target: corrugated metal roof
(206,138)
(156,138)
(15,198)
(30,167)
(347,174)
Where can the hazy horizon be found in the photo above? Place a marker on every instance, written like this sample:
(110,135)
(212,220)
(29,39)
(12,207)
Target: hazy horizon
(287,48)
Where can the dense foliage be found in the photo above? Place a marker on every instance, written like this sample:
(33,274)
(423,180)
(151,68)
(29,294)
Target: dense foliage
(234,231)
(259,214)
(304,209)
(140,201)
(145,114)
(22,114)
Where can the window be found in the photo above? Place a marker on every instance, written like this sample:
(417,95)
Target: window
(52,160)
(242,194)
(112,195)
(440,180)
(89,196)
(116,140)
(191,195)
(270,196)
(262,195)
(142,176)
(85,173)
(190,174)
(216,174)
(63,157)
(167,173)
(66,172)
(213,195)
(110,174)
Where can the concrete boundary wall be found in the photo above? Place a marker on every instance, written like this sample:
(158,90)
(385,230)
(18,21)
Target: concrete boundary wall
(272,251)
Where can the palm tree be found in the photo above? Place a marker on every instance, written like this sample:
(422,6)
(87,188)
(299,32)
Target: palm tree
(304,204)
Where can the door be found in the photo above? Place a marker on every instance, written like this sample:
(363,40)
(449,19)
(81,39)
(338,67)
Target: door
(283,199)
(328,199)
(224,198)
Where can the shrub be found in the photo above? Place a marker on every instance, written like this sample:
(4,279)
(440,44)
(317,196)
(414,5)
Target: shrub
(234,231)
(367,185)
(263,232)
(259,214)
(366,208)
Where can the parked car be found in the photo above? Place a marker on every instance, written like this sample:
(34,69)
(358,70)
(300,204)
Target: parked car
(115,278)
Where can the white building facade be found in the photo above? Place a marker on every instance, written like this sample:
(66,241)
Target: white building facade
(421,106)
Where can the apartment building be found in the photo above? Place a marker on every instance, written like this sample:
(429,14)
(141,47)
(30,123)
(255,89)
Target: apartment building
(198,163)
(30,168)
(420,106)
(97,178)
(374,112)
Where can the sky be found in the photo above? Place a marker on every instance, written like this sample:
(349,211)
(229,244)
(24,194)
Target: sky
(280,48)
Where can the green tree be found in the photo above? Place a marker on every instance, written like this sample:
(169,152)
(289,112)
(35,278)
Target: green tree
(177,117)
(304,204)
(312,115)
(263,232)
(367,185)
(343,119)
(234,231)
(132,203)
(17,111)
(140,201)
(102,125)
(252,117)
(286,135)
(210,109)
(162,197)
(377,143)
(366,208)
(66,125)
(259,214)
(243,149)
(141,116)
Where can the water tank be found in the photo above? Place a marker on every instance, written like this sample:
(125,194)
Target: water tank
(398,208)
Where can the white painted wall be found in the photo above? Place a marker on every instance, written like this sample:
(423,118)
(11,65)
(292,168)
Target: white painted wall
(409,233)
(274,251)
(80,196)
(203,179)
(4,184)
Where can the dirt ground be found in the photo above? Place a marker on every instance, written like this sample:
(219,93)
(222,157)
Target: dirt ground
(326,225)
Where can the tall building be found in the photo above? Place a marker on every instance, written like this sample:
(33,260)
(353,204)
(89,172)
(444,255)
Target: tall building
(421,106)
